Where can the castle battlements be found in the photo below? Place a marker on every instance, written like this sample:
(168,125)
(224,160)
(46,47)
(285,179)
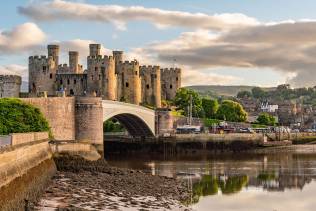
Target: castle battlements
(40,58)
(107,76)
(149,67)
(134,62)
(10,79)
(172,69)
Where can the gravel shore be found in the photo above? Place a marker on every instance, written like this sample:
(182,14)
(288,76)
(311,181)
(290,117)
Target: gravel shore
(94,185)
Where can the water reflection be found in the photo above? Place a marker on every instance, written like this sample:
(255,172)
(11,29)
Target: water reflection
(276,181)
(210,185)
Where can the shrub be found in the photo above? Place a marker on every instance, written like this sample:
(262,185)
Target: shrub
(19,117)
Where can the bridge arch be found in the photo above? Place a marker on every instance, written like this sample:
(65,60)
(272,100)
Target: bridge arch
(138,120)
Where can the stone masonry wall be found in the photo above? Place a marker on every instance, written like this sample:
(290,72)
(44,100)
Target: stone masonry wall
(89,119)
(60,113)
(10,85)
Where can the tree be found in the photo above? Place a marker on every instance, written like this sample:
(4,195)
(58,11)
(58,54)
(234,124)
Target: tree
(112,125)
(258,92)
(244,94)
(231,111)
(19,117)
(210,107)
(266,119)
(182,102)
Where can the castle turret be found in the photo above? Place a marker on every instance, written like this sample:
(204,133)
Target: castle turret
(53,51)
(151,85)
(74,61)
(95,49)
(170,82)
(130,83)
(42,71)
(101,78)
(118,56)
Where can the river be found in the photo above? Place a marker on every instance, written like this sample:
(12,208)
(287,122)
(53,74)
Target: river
(245,181)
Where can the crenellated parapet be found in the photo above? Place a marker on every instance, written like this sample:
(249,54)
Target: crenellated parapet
(10,85)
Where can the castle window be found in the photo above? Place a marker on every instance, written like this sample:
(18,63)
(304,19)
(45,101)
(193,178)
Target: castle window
(75,81)
(126,84)
(51,76)
(92,77)
(177,79)
(170,86)
(68,81)
(96,68)
(99,77)
(135,72)
(61,81)
(44,68)
(147,86)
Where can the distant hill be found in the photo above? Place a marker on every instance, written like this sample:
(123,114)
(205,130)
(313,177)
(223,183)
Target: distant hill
(217,90)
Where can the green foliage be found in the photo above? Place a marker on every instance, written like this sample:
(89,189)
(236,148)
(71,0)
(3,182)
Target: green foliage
(244,94)
(112,126)
(233,184)
(176,113)
(266,176)
(258,92)
(258,126)
(182,102)
(210,107)
(210,122)
(19,117)
(266,119)
(231,111)
(209,185)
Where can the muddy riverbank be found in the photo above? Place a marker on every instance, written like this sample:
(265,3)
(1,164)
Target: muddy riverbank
(88,185)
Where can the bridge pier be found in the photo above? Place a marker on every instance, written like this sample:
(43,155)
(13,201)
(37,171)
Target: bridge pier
(89,119)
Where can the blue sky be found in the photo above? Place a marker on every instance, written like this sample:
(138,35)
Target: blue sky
(257,66)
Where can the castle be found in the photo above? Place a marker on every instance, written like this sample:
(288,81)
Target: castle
(109,77)
(10,85)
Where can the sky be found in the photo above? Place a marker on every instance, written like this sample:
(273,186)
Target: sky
(215,42)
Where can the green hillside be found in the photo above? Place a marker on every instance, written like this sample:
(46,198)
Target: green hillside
(217,90)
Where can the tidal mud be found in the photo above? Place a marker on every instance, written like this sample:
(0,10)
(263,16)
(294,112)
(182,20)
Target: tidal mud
(94,185)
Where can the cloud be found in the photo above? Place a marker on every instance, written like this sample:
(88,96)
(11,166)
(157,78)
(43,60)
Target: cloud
(288,47)
(120,15)
(21,38)
(15,69)
(191,77)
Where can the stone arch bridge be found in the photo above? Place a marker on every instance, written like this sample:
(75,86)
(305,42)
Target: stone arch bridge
(81,118)
(138,120)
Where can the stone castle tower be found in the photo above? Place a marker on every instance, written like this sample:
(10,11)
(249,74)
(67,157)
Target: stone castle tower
(101,77)
(129,82)
(109,77)
(151,85)
(170,82)
(42,71)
